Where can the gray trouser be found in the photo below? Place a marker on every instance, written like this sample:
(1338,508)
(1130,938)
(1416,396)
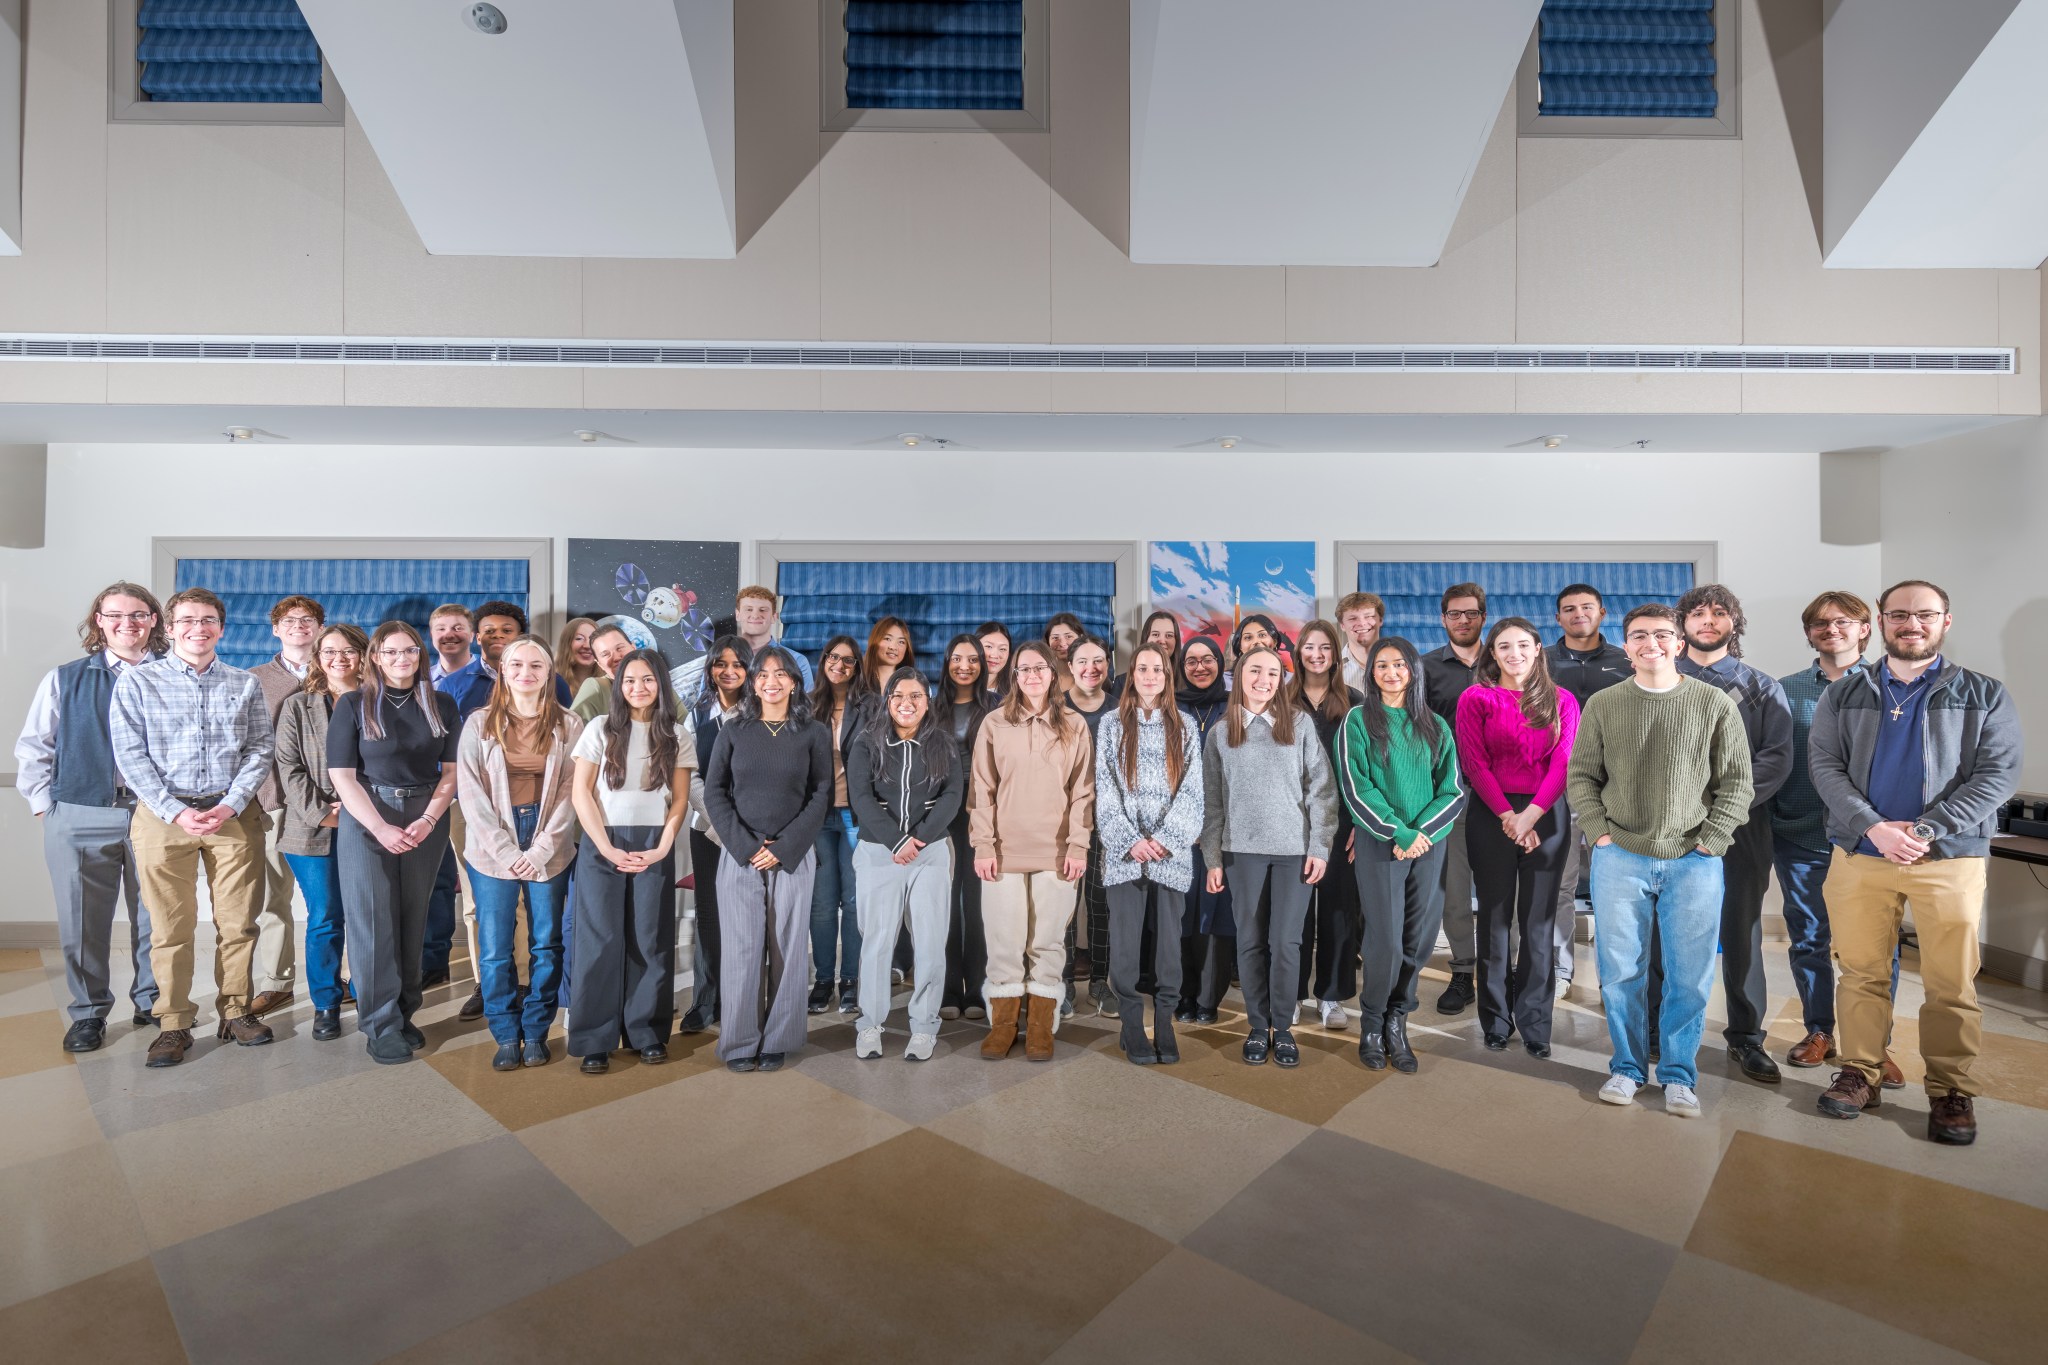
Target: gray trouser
(764,923)
(1270,901)
(1459,927)
(91,866)
(886,894)
(1567,907)
(1129,903)
(1400,902)
(277,955)
(384,903)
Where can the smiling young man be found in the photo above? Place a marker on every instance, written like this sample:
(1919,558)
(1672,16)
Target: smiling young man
(1912,758)
(449,634)
(1446,673)
(1582,663)
(192,740)
(754,621)
(1360,616)
(67,775)
(296,622)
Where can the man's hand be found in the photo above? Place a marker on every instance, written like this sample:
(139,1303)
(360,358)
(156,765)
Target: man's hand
(1603,841)
(1897,842)
(197,823)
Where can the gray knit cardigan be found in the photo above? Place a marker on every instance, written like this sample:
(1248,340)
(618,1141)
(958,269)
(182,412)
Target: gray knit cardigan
(1151,810)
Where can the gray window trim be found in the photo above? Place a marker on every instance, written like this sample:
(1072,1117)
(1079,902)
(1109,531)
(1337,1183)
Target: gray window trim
(1349,554)
(835,115)
(1727,120)
(125,102)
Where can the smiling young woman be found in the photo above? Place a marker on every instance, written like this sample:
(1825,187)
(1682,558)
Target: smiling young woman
(839,702)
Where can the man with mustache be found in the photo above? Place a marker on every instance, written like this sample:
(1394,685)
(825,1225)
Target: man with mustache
(1446,673)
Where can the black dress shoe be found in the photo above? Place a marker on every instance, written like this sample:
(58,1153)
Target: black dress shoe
(596,1064)
(1496,1042)
(389,1050)
(1205,1016)
(429,980)
(742,1064)
(472,1008)
(820,999)
(507,1058)
(1164,1045)
(85,1035)
(1398,1050)
(1185,1011)
(1372,1043)
(691,1022)
(1537,1050)
(1457,995)
(534,1052)
(654,1054)
(1136,1046)
(1285,1053)
(414,1039)
(143,1019)
(326,1025)
(768,1061)
(1255,1049)
(1755,1063)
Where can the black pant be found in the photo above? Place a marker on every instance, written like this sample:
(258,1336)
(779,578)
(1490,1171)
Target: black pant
(384,899)
(1746,876)
(1329,933)
(1401,906)
(1271,900)
(625,948)
(1131,906)
(1095,905)
(966,946)
(1207,960)
(1517,890)
(704,874)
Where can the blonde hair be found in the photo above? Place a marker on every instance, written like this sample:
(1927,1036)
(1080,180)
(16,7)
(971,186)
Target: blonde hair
(499,713)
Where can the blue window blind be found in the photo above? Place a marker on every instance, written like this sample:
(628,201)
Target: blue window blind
(1641,58)
(357,592)
(938,54)
(234,51)
(1414,589)
(939,600)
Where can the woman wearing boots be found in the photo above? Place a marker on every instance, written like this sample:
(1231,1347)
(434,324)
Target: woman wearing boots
(1208,930)
(1329,934)
(1148,814)
(1270,814)
(1031,803)
(959,702)
(835,922)
(1088,698)
(1398,768)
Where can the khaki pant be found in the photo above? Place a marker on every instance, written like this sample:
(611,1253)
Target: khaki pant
(168,861)
(1866,900)
(1024,917)
(276,943)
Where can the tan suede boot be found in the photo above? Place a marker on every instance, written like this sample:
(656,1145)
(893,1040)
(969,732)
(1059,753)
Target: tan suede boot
(1038,1029)
(1002,1028)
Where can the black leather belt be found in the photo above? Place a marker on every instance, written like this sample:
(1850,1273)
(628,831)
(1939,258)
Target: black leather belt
(399,793)
(206,802)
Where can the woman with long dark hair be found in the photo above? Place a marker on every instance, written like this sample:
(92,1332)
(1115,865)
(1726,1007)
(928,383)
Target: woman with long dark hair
(725,678)
(1515,729)
(768,789)
(889,648)
(1208,929)
(960,699)
(838,703)
(1162,628)
(1398,768)
(996,646)
(1329,933)
(1089,698)
(391,754)
(632,791)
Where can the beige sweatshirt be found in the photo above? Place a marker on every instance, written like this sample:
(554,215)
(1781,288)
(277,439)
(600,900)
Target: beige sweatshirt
(1031,797)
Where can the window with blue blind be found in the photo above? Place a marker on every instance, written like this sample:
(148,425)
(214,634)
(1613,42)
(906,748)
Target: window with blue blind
(1413,591)
(935,54)
(357,592)
(1627,58)
(227,52)
(939,599)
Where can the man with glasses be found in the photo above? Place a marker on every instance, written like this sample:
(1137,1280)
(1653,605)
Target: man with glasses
(1446,673)
(192,740)
(1912,758)
(1360,616)
(1582,663)
(296,622)
(609,645)
(67,774)
(1660,780)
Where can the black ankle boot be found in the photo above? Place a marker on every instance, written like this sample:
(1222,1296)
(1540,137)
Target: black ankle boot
(1164,1045)
(1372,1043)
(1398,1051)
(1131,1038)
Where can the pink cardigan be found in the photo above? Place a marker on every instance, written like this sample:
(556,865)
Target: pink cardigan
(1500,753)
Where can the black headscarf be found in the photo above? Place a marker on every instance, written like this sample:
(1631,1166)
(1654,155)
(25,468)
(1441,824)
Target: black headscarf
(1185,692)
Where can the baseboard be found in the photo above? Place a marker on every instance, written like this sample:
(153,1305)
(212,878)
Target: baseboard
(2018,968)
(29,933)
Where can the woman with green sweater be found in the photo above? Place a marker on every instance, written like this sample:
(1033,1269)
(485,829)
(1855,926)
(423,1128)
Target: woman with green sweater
(1398,768)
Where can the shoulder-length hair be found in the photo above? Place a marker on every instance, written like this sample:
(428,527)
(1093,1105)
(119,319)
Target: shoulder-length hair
(799,704)
(865,678)
(1422,722)
(933,742)
(372,686)
(1280,710)
(573,673)
(499,715)
(996,680)
(1170,717)
(1064,721)
(664,747)
(1539,693)
(741,650)
(316,676)
(1070,621)
(94,639)
(1145,630)
(825,698)
(1336,699)
(942,687)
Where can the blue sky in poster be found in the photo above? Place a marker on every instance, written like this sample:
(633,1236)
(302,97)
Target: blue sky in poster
(1202,581)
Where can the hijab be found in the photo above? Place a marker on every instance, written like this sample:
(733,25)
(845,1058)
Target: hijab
(1185,692)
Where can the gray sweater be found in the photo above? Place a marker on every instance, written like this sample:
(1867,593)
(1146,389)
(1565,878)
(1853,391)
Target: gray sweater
(1151,809)
(1262,797)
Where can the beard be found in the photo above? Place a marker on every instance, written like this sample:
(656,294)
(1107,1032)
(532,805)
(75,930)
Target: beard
(1706,647)
(1926,649)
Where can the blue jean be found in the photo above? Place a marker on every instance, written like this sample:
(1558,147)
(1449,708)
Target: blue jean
(1801,872)
(1682,898)
(835,922)
(497,919)
(319,879)
(440,942)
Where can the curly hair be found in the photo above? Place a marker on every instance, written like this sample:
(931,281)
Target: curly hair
(1715,595)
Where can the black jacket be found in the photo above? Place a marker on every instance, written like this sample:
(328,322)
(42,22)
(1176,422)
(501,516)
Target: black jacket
(902,801)
(1584,674)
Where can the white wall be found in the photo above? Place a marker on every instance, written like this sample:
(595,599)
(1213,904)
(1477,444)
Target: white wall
(106,504)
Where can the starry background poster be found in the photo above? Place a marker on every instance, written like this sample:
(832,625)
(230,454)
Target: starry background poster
(1209,585)
(665,593)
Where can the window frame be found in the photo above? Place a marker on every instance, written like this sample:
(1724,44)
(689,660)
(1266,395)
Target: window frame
(835,115)
(126,103)
(1726,122)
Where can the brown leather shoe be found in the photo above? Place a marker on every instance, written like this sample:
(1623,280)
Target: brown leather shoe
(1002,1028)
(267,1001)
(1950,1120)
(1038,1028)
(1894,1079)
(245,1030)
(170,1047)
(1815,1048)
(1849,1096)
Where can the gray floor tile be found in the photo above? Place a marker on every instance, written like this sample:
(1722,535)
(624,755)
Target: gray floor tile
(128,1097)
(918,1092)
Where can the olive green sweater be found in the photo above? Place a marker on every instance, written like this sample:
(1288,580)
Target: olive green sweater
(1661,772)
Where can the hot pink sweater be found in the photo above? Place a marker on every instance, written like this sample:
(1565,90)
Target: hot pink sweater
(1500,753)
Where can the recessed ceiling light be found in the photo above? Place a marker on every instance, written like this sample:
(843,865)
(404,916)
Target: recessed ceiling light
(241,434)
(587,436)
(913,438)
(1228,442)
(1553,442)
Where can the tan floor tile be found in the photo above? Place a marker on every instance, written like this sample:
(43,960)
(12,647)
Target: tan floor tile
(1212,1057)
(67,1217)
(1186,1307)
(43,1113)
(21,959)
(1099,1129)
(520,1099)
(1710,1314)
(1931,1258)
(29,992)
(1541,1135)
(121,1315)
(32,1042)
(914,1250)
(793,1126)
(2008,1067)
(284,1148)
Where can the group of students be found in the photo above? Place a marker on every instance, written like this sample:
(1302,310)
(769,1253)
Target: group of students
(1299,818)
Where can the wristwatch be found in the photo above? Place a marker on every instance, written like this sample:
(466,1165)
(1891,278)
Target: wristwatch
(1924,832)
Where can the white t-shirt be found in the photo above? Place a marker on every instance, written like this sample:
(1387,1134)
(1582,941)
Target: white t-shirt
(631,804)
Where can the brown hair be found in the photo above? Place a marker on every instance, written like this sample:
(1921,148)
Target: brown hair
(1336,695)
(94,639)
(1360,601)
(1655,611)
(203,596)
(298,602)
(371,688)
(316,676)
(448,609)
(499,716)
(1280,712)
(1716,595)
(1170,717)
(1539,692)
(664,747)
(1064,721)
(867,679)
(753,590)
(573,673)
(1847,603)
(1456,591)
(1934,588)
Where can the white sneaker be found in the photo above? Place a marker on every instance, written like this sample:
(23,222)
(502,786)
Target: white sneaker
(1564,987)
(868,1043)
(1333,1014)
(1296,1017)
(1621,1090)
(920,1049)
(1681,1102)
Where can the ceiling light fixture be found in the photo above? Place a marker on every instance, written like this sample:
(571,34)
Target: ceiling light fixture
(912,438)
(1552,442)
(240,434)
(587,436)
(1228,442)
(486,19)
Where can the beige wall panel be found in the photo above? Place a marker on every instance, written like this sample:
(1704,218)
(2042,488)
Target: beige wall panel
(53,381)
(766,390)
(1467,296)
(59,284)
(396,289)
(775,106)
(223,229)
(479,386)
(933,391)
(1091,113)
(2019,324)
(935,237)
(1628,392)
(1100,295)
(1629,240)
(228,384)
(1400,393)
(1964,393)
(1222,393)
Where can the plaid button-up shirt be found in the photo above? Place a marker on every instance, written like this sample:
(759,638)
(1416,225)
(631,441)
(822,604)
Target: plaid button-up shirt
(180,732)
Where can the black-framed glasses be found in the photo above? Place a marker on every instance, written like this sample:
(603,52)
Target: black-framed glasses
(1464,616)
(1900,618)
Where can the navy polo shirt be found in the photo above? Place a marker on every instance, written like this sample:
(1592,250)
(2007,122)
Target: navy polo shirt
(1898,765)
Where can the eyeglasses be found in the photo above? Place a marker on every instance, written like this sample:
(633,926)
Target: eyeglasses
(1900,618)
(133,618)
(1464,616)
(335,656)
(299,622)
(1832,624)
(409,652)
(1662,637)
(1034,671)
(180,622)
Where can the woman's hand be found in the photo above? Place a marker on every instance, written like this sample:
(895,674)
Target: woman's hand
(394,839)
(1312,869)
(525,869)
(988,869)
(907,854)
(1214,881)
(764,860)
(1141,852)
(1351,847)
(418,830)
(1421,846)
(1073,869)
(333,816)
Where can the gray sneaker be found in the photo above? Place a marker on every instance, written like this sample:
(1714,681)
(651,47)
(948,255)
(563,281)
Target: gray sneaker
(867,1043)
(920,1048)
